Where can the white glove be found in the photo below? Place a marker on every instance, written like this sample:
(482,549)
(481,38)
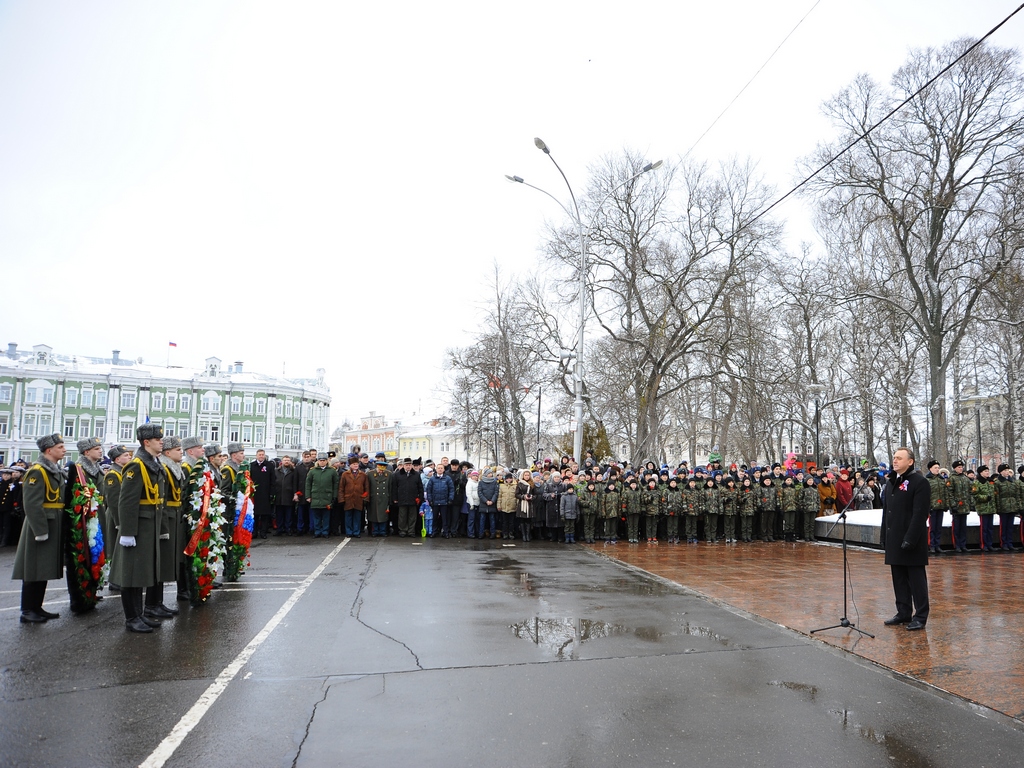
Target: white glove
(127,541)
(165,536)
(44,537)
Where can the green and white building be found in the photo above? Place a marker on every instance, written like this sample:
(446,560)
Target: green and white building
(42,392)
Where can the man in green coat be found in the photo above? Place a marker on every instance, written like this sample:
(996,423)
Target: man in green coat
(140,508)
(321,491)
(380,498)
(41,547)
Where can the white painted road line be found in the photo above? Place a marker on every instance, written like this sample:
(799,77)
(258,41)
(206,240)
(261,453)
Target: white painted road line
(191,719)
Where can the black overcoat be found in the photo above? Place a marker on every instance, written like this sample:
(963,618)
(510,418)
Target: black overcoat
(905,508)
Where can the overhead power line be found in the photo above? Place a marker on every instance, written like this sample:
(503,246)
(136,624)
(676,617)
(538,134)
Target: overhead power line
(751,80)
(891,112)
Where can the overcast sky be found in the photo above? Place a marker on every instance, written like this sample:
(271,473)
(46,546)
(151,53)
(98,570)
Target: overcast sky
(284,183)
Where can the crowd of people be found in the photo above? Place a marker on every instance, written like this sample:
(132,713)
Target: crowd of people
(182,512)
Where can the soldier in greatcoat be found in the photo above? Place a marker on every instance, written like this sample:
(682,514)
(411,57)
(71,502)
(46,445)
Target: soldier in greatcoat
(40,555)
(171,544)
(380,498)
(140,511)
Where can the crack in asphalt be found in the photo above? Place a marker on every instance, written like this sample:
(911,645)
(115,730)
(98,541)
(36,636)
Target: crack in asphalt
(309,723)
(357,607)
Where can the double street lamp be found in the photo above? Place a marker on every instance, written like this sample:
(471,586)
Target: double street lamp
(574,215)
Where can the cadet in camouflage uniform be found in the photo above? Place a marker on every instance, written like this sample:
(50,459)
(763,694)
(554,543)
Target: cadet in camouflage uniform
(588,508)
(960,505)
(789,496)
(940,489)
(746,503)
(767,504)
(40,555)
(728,492)
(632,503)
(609,511)
(673,510)
(693,505)
(652,510)
(983,494)
(712,510)
(1008,493)
(809,503)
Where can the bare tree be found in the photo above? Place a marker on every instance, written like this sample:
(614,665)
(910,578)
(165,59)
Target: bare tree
(934,190)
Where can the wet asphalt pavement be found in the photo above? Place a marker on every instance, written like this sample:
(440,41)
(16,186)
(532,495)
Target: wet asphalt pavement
(453,653)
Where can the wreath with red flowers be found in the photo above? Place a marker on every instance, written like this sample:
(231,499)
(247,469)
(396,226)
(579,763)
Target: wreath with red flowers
(86,542)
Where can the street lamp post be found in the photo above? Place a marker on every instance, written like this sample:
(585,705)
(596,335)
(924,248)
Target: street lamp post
(577,445)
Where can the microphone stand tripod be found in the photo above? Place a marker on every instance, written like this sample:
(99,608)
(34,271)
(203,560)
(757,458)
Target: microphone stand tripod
(844,622)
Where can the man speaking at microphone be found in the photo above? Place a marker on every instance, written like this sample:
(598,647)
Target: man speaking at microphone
(904,536)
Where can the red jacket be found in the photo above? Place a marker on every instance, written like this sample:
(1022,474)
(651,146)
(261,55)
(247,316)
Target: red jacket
(844,494)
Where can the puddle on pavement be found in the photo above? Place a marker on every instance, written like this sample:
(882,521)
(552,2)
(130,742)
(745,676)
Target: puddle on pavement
(564,636)
(900,751)
(527,583)
(810,690)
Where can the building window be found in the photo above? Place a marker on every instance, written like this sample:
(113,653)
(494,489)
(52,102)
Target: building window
(30,396)
(127,432)
(157,400)
(247,407)
(28,428)
(183,429)
(287,435)
(185,403)
(69,429)
(390,444)
(247,433)
(45,424)
(278,436)
(204,431)
(211,402)
(214,433)
(7,391)
(83,427)
(101,398)
(87,398)
(128,400)
(233,433)
(47,397)
(172,401)
(101,428)
(3,424)
(376,443)
(261,407)
(278,406)
(288,409)
(236,406)
(169,427)
(71,398)
(259,434)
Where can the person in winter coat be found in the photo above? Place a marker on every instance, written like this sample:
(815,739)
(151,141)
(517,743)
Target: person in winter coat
(440,492)
(507,507)
(568,506)
(487,493)
(652,503)
(826,496)
(632,502)
(406,496)
(904,535)
(525,494)
(1008,494)
(474,523)
(844,491)
(693,508)
(863,496)
(550,494)
(321,492)
(353,491)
